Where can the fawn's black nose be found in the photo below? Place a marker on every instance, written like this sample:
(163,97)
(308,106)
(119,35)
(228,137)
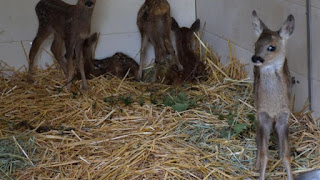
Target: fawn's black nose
(89,3)
(257,59)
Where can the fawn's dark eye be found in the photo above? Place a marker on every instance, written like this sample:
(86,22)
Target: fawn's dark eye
(271,48)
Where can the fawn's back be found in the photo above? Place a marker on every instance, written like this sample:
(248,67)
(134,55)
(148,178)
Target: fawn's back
(152,16)
(63,18)
(154,21)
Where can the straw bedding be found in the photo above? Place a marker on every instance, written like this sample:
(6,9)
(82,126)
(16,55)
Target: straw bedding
(121,129)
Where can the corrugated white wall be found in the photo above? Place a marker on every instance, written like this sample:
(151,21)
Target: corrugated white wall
(114,19)
(232,19)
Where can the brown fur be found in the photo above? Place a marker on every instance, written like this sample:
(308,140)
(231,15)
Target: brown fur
(272,83)
(154,23)
(193,69)
(71,26)
(118,65)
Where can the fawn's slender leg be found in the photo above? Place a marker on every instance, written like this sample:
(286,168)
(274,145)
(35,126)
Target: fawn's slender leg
(70,74)
(80,63)
(70,48)
(58,52)
(42,34)
(258,144)
(169,47)
(282,129)
(159,48)
(157,62)
(144,43)
(264,125)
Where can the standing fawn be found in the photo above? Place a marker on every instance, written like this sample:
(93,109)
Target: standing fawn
(193,68)
(154,23)
(272,84)
(118,65)
(71,26)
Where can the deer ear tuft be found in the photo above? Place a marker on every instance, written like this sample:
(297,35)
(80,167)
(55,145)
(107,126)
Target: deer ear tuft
(258,25)
(174,25)
(287,28)
(195,26)
(91,40)
(94,37)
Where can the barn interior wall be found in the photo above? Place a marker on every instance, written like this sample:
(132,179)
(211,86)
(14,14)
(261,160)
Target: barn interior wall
(231,19)
(114,19)
(225,19)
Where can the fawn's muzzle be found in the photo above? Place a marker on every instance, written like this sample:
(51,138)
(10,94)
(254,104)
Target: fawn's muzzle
(257,59)
(89,3)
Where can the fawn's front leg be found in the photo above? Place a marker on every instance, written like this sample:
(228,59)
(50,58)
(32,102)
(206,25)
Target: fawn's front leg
(144,43)
(282,129)
(80,63)
(264,126)
(70,48)
(58,52)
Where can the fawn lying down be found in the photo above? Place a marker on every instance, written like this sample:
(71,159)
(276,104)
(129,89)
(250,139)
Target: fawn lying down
(118,65)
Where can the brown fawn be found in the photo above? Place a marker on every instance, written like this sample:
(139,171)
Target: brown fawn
(272,84)
(193,68)
(118,65)
(154,23)
(71,26)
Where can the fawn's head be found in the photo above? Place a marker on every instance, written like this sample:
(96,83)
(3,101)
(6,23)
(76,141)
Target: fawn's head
(88,46)
(270,45)
(87,3)
(184,35)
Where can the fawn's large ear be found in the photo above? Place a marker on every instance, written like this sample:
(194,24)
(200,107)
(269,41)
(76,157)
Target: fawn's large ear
(287,28)
(257,24)
(91,40)
(195,26)
(174,25)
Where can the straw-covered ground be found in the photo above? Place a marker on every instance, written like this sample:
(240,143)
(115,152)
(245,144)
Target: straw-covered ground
(122,129)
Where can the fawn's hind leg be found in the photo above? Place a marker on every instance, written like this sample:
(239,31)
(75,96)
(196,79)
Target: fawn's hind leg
(42,34)
(263,134)
(282,129)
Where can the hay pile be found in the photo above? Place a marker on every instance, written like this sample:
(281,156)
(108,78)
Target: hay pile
(130,130)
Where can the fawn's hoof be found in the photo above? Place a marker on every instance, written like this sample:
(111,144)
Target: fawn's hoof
(139,76)
(180,67)
(30,80)
(256,167)
(85,89)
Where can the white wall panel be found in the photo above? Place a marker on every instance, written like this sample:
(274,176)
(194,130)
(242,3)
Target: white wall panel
(114,19)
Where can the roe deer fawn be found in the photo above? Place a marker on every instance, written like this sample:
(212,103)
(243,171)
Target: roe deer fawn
(71,25)
(272,84)
(154,23)
(193,68)
(119,64)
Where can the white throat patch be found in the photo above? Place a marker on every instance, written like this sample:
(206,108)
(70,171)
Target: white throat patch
(276,65)
(270,76)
